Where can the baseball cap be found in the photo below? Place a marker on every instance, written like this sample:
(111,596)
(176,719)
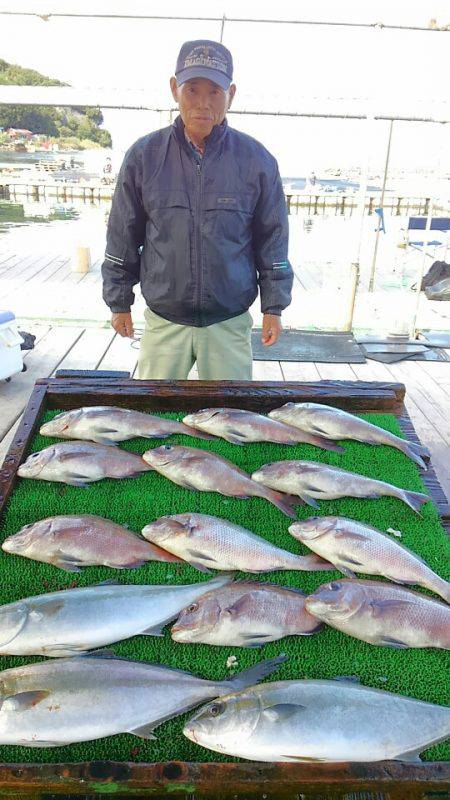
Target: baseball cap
(203,58)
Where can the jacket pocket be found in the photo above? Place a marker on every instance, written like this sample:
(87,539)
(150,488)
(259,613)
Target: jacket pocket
(228,216)
(168,242)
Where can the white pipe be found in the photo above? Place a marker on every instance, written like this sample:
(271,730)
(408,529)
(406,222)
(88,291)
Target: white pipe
(386,167)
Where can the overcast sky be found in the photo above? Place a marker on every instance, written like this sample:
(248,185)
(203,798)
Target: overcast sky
(275,66)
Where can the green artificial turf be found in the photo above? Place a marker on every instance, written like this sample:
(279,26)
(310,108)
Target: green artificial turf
(135,502)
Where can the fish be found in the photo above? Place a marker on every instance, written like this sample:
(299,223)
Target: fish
(83,540)
(318,720)
(208,542)
(239,426)
(245,614)
(311,480)
(72,621)
(353,547)
(204,471)
(334,423)
(382,613)
(109,425)
(80,463)
(87,697)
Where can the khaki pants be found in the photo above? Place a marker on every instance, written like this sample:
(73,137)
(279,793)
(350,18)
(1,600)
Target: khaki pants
(222,351)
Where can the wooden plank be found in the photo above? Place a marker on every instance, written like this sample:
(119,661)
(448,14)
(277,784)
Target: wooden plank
(258,395)
(299,371)
(40,363)
(89,350)
(120,355)
(267,371)
(6,441)
(336,372)
(434,404)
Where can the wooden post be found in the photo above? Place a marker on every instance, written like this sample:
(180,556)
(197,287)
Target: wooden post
(81,259)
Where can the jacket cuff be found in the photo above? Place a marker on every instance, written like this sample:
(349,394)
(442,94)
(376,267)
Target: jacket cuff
(119,310)
(275,311)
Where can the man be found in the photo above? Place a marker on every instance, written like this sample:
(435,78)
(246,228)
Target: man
(199,218)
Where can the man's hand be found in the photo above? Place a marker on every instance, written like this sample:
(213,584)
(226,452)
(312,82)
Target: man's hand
(123,324)
(271,329)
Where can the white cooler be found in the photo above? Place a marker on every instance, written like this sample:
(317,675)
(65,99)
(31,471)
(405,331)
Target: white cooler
(10,340)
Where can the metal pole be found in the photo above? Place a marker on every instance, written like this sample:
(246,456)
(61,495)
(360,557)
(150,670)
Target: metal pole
(222,27)
(413,330)
(355,268)
(386,166)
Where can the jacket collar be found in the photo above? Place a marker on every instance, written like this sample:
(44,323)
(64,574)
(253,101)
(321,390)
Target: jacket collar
(217,134)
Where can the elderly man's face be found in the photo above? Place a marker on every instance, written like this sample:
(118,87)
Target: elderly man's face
(202,104)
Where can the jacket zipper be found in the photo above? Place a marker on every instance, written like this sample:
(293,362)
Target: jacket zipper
(198,300)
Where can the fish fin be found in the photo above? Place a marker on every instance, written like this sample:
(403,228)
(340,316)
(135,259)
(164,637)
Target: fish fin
(144,732)
(379,606)
(185,484)
(73,480)
(66,562)
(64,650)
(111,582)
(388,641)
(23,701)
(347,678)
(310,501)
(40,743)
(325,444)
(413,757)
(156,630)
(255,639)
(345,571)
(244,602)
(285,502)
(235,437)
(200,567)
(255,674)
(103,652)
(50,608)
(104,440)
(281,711)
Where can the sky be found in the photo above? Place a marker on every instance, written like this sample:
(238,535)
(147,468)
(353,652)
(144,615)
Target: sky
(277,67)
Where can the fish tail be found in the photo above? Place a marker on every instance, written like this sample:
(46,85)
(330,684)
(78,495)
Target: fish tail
(414,500)
(415,452)
(312,563)
(159,554)
(187,430)
(253,675)
(439,586)
(285,502)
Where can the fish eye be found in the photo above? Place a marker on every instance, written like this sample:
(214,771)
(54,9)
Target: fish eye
(335,587)
(193,607)
(167,447)
(216,709)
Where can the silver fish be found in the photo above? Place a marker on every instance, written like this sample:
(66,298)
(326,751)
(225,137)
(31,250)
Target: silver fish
(333,423)
(382,613)
(318,720)
(354,547)
(69,622)
(245,614)
(204,471)
(238,426)
(108,425)
(79,699)
(311,480)
(84,540)
(208,542)
(79,463)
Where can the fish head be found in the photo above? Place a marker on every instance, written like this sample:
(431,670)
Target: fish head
(166,528)
(280,413)
(337,600)
(308,529)
(226,722)
(166,454)
(36,462)
(27,536)
(274,471)
(61,424)
(202,417)
(198,618)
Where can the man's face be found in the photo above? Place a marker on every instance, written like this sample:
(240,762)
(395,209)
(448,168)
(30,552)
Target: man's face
(202,104)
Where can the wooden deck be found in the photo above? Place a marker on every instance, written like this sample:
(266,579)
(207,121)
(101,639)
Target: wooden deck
(66,312)
(81,347)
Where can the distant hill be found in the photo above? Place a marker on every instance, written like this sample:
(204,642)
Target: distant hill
(79,122)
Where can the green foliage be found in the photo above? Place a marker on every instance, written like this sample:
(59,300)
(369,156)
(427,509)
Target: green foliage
(79,121)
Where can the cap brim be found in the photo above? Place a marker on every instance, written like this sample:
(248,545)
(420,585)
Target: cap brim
(213,75)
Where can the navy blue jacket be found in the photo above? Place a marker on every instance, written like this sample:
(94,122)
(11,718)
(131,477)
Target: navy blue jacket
(199,237)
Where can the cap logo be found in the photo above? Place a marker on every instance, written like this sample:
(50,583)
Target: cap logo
(200,57)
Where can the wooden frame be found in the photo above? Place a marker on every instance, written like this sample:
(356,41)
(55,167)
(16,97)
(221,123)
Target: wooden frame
(390,780)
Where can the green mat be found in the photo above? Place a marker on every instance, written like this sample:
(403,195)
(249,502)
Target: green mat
(135,502)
